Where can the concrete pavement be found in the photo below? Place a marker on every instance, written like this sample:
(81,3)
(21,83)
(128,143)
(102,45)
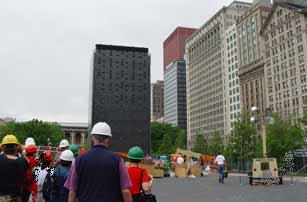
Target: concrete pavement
(235,189)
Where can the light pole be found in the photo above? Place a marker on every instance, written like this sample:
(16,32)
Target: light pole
(265,119)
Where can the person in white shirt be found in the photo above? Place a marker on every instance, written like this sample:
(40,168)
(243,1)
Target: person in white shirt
(180,160)
(220,162)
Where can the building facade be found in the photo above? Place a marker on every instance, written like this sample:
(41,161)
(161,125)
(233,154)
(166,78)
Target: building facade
(251,61)
(175,94)
(157,100)
(4,121)
(232,80)
(285,35)
(206,73)
(120,94)
(75,133)
(174,45)
(299,2)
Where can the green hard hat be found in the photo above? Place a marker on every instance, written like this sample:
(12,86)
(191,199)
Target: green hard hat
(136,153)
(74,149)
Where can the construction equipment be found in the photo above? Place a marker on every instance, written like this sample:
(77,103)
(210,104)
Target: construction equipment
(188,153)
(206,160)
(265,170)
(189,167)
(154,171)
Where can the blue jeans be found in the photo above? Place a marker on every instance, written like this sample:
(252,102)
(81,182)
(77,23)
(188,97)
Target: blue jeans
(221,172)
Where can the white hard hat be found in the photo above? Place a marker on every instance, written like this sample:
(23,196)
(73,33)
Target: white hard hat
(64,143)
(101,128)
(67,155)
(29,141)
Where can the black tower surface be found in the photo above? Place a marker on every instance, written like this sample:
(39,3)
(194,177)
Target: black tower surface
(120,94)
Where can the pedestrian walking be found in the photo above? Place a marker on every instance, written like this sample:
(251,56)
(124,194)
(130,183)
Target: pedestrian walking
(141,181)
(220,162)
(99,174)
(12,170)
(64,145)
(43,174)
(75,149)
(31,185)
(59,193)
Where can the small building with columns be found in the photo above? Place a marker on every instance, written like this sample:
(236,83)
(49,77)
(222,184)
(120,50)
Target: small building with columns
(75,133)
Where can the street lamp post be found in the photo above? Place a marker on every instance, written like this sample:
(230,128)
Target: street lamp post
(257,117)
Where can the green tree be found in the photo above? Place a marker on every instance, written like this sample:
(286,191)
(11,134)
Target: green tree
(283,136)
(244,142)
(39,130)
(158,133)
(200,145)
(167,146)
(181,140)
(216,144)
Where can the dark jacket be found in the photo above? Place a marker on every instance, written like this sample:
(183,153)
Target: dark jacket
(12,175)
(58,192)
(98,176)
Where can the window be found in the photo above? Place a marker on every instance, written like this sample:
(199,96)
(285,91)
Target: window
(302,69)
(299,38)
(300,49)
(301,59)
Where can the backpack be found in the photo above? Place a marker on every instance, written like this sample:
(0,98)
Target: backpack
(56,188)
(47,187)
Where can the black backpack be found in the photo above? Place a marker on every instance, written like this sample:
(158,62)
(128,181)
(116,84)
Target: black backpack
(47,186)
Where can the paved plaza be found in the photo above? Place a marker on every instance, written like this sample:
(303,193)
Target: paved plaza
(207,189)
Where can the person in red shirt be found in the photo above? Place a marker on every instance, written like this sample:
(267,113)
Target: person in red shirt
(31,185)
(139,177)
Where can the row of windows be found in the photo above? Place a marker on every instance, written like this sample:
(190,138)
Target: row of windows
(234,116)
(212,125)
(282,48)
(234,83)
(207,107)
(208,41)
(234,99)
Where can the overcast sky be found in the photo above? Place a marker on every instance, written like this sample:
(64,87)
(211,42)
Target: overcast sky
(46,46)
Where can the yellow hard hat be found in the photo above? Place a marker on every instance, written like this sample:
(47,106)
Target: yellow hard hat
(9,139)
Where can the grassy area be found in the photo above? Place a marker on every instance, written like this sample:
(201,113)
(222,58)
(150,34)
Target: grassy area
(301,174)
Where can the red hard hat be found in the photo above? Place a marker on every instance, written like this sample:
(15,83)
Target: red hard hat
(82,151)
(31,149)
(46,156)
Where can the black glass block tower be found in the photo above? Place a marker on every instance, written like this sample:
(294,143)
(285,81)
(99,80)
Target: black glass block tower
(120,94)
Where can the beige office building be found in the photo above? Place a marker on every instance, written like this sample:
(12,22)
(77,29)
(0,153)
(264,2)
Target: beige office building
(251,57)
(232,86)
(285,35)
(206,73)
(157,101)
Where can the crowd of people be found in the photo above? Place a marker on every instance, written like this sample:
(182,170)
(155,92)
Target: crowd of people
(29,175)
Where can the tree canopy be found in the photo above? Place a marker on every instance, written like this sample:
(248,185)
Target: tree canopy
(244,142)
(166,138)
(283,136)
(37,129)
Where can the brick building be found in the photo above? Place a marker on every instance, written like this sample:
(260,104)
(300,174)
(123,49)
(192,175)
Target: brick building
(174,45)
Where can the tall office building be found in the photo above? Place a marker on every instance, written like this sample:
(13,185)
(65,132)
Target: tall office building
(120,94)
(175,77)
(157,100)
(298,2)
(174,45)
(285,59)
(206,73)
(232,79)
(251,61)
(175,94)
